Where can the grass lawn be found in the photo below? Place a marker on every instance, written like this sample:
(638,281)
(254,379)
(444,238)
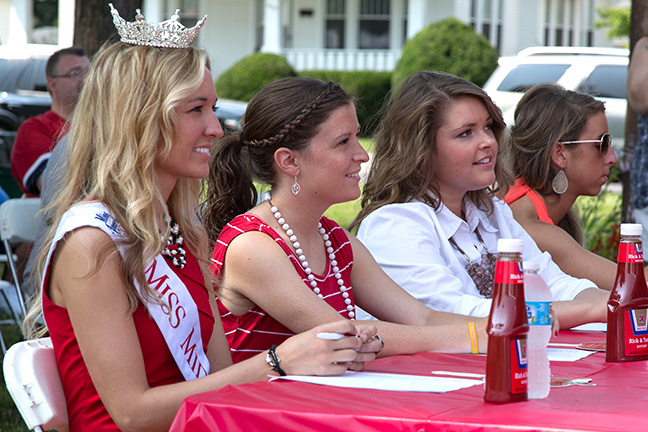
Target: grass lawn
(10,419)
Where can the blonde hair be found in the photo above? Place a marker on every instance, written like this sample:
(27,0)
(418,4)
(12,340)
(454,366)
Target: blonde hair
(124,122)
(402,167)
(547,114)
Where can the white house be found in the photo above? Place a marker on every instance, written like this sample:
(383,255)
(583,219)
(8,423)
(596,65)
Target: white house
(344,34)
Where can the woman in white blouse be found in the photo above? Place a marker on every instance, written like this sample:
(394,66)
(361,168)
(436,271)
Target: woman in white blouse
(429,212)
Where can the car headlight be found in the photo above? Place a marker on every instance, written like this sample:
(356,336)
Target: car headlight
(232,124)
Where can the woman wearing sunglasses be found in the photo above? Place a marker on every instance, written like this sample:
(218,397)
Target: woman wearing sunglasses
(561,149)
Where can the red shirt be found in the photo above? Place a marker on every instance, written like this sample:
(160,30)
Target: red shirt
(255,331)
(35,139)
(86,411)
(520,189)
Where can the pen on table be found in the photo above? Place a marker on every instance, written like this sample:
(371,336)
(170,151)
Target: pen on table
(330,336)
(459,374)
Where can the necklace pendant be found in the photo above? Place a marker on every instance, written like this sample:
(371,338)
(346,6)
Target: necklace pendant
(176,256)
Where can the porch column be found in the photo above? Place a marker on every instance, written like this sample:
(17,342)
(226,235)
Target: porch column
(417,12)
(20,21)
(271,27)
(152,10)
(66,22)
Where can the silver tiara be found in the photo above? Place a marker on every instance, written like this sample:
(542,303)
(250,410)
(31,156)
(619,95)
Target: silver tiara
(167,34)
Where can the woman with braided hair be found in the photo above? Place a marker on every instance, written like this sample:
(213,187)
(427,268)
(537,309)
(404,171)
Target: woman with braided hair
(283,268)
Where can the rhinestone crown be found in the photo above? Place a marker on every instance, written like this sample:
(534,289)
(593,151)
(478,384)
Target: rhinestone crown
(167,34)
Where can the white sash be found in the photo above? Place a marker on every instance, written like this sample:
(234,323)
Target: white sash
(177,318)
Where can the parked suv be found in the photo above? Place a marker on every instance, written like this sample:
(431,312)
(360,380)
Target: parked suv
(600,72)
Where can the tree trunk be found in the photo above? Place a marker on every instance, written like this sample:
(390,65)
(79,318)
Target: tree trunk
(638,28)
(93,22)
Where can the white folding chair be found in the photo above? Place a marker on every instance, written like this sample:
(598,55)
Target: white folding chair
(18,224)
(34,384)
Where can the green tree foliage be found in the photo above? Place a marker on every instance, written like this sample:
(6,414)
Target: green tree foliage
(250,74)
(369,89)
(448,46)
(617,19)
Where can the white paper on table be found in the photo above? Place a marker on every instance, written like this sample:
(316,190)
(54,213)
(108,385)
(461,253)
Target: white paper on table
(386,381)
(567,355)
(591,327)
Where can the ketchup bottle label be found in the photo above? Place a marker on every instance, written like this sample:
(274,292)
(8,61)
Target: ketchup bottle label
(630,253)
(519,376)
(635,328)
(509,272)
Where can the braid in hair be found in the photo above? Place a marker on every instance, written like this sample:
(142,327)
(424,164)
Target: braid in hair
(285,132)
(285,113)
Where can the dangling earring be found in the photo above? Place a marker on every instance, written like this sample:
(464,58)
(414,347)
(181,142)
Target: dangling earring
(295,187)
(559,183)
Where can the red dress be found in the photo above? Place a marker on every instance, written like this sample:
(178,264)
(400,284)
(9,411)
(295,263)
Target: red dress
(520,189)
(255,331)
(86,411)
(35,139)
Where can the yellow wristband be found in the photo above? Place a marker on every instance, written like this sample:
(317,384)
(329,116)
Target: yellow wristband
(473,338)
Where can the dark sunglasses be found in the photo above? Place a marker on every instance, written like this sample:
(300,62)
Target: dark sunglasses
(603,143)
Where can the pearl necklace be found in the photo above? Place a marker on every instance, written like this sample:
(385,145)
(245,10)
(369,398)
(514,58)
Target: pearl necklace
(178,257)
(302,258)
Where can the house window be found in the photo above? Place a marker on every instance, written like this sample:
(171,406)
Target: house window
(335,24)
(374,24)
(560,19)
(189,12)
(486,18)
(590,30)
(405,12)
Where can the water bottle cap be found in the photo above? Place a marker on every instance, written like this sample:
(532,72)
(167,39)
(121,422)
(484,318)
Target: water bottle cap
(531,265)
(631,229)
(509,245)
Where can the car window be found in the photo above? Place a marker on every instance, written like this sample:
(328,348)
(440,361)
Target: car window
(525,76)
(606,81)
(23,74)
(40,82)
(10,72)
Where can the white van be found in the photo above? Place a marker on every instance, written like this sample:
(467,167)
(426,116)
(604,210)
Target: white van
(601,72)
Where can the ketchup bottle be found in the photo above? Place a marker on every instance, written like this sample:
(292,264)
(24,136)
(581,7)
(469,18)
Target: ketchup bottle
(627,327)
(506,362)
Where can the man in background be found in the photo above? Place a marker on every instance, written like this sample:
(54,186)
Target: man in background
(37,136)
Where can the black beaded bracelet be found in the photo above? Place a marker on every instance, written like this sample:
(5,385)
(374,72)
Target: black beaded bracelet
(273,360)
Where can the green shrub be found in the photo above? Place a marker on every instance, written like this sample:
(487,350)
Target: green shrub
(369,88)
(250,74)
(601,216)
(448,46)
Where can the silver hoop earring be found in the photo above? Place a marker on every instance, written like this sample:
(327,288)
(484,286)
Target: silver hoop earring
(560,183)
(295,187)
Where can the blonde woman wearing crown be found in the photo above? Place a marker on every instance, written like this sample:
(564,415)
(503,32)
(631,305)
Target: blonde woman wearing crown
(130,313)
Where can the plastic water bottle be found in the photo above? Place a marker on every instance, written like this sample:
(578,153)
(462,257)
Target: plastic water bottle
(538,305)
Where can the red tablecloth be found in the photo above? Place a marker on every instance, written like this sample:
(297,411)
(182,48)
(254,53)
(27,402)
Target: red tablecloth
(618,402)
